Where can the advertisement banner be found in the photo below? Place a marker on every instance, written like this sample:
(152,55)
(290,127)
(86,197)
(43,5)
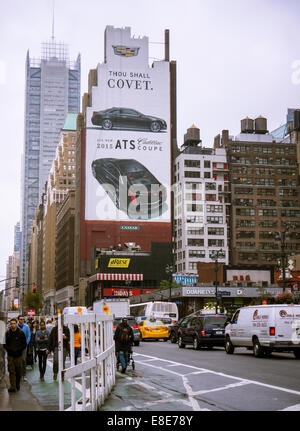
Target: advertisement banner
(128,135)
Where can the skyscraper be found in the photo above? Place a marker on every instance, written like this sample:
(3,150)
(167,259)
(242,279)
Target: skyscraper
(52,91)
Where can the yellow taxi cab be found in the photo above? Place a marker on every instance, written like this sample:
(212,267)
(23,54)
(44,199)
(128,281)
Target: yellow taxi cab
(154,329)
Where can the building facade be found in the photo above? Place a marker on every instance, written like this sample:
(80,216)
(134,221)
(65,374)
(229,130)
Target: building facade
(52,90)
(264,194)
(201,204)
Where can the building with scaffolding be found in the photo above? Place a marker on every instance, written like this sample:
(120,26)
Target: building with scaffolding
(52,91)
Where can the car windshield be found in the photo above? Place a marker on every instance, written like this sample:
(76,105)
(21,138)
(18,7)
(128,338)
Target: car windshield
(166,321)
(215,321)
(155,323)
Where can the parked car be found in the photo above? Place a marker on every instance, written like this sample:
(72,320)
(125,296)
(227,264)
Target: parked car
(134,325)
(265,328)
(127,119)
(153,329)
(124,175)
(205,330)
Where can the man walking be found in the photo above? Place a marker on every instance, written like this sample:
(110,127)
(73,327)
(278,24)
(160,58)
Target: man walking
(53,345)
(15,344)
(123,340)
(25,328)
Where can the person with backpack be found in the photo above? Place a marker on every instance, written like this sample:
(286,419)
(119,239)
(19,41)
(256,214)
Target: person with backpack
(123,341)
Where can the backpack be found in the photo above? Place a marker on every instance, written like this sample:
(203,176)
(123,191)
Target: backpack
(124,337)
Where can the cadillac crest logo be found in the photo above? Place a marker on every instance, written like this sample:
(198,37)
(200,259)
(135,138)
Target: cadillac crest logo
(125,51)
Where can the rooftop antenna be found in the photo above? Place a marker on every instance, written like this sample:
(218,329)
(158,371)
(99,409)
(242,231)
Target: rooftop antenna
(53,21)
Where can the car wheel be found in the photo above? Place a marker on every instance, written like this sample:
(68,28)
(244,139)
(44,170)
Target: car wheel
(173,337)
(106,124)
(136,343)
(155,126)
(196,345)
(297,353)
(257,349)
(229,347)
(181,345)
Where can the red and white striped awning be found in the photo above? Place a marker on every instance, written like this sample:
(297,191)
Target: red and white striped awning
(116,277)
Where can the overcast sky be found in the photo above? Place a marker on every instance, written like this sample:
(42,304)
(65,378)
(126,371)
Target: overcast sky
(234,58)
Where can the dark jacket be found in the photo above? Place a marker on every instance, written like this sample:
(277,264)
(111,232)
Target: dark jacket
(123,343)
(15,342)
(41,339)
(53,339)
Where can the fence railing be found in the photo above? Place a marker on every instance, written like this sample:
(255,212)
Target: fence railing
(97,367)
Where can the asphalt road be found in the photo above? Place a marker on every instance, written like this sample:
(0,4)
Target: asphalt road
(167,378)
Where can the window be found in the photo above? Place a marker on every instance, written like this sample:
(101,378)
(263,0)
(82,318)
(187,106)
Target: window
(207,163)
(196,242)
(214,219)
(206,174)
(192,163)
(197,253)
(210,186)
(214,208)
(215,231)
(192,174)
(194,207)
(215,242)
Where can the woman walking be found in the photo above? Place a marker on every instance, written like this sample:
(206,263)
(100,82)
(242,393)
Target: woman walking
(77,342)
(42,336)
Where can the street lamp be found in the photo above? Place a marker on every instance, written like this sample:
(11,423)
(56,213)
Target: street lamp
(282,237)
(169,272)
(215,256)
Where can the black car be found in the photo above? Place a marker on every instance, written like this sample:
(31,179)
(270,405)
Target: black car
(173,329)
(134,325)
(127,119)
(206,330)
(126,176)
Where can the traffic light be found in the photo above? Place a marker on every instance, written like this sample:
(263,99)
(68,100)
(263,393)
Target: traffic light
(33,289)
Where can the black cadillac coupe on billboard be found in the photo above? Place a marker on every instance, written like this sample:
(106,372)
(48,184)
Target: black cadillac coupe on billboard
(128,134)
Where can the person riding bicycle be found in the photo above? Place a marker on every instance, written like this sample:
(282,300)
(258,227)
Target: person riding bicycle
(123,341)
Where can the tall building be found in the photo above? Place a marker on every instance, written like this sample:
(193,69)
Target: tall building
(17,237)
(200,204)
(264,194)
(52,91)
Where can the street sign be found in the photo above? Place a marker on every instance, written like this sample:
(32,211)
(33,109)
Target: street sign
(31,313)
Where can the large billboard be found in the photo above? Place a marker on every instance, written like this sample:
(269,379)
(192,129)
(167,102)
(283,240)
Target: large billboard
(128,134)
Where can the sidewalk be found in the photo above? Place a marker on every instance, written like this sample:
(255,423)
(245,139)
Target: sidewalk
(35,395)
(23,400)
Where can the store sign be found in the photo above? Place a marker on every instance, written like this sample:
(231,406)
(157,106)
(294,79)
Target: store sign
(130,227)
(119,292)
(127,170)
(118,263)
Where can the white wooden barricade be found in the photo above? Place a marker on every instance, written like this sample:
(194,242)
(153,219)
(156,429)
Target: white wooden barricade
(97,360)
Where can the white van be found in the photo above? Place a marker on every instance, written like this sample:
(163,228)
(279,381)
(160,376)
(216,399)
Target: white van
(265,328)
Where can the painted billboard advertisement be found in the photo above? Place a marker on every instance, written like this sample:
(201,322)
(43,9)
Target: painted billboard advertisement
(128,134)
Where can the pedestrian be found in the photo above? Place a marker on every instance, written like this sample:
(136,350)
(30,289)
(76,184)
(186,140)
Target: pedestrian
(49,325)
(15,344)
(25,328)
(53,346)
(77,342)
(42,338)
(123,341)
(35,327)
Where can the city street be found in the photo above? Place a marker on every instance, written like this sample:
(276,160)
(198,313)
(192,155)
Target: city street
(169,378)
